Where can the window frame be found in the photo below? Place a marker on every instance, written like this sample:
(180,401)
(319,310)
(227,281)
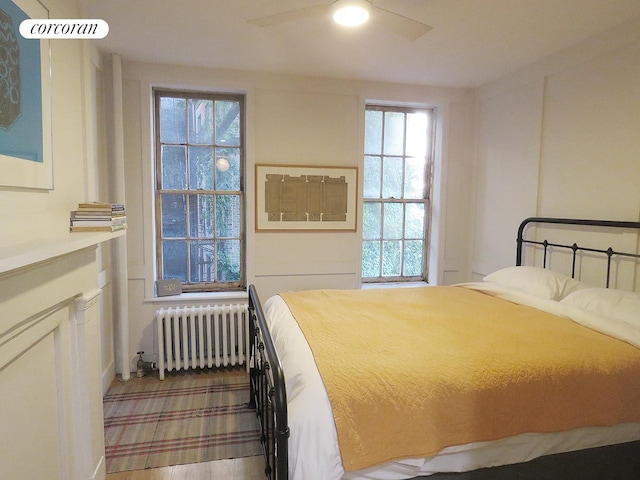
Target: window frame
(215,286)
(426,200)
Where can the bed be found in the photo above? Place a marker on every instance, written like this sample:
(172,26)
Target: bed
(540,380)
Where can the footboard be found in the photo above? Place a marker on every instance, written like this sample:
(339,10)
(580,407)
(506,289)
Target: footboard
(268,393)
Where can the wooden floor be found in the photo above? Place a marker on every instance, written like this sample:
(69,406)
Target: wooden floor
(249,468)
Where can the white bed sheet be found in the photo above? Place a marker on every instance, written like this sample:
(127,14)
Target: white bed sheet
(313,442)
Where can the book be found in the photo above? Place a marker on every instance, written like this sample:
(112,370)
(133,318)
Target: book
(98,222)
(100,206)
(98,217)
(97,213)
(104,228)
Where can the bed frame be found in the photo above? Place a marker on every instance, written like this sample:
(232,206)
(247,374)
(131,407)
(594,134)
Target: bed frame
(546,245)
(269,397)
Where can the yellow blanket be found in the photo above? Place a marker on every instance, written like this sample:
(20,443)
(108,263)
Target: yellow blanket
(411,371)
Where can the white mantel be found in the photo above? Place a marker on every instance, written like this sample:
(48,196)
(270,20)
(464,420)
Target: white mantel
(51,423)
(20,255)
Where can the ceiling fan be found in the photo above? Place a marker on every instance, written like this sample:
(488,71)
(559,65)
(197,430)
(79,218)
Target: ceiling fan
(361,10)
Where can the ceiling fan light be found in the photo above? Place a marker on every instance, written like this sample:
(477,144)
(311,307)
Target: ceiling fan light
(351,13)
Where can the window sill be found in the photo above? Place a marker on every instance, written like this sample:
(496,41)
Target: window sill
(365,286)
(200,297)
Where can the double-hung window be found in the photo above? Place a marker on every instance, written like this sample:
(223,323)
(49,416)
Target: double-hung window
(199,195)
(397,190)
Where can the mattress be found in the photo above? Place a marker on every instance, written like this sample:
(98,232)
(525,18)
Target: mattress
(313,444)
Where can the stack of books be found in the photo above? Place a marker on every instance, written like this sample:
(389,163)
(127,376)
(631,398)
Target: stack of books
(98,217)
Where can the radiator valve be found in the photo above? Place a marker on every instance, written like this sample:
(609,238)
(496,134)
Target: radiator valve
(144,367)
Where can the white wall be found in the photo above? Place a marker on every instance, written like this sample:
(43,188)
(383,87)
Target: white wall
(79,156)
(48,211)
(291,120)
(51,355)
(558,138)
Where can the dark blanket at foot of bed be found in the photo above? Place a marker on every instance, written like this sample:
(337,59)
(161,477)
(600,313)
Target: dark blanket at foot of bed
(615,462)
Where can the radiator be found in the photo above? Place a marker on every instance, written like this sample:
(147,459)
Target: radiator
(202,337)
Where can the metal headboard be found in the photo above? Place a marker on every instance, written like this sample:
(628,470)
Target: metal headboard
(609,252)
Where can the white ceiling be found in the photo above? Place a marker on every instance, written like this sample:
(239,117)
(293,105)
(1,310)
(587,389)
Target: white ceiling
(472,41)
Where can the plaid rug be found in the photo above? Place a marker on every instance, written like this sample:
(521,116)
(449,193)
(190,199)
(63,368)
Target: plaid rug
(196,419)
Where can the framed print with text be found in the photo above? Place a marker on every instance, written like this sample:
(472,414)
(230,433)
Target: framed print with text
(25,100)
(306,198)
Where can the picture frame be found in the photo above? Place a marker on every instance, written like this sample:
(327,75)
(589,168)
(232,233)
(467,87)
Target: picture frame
(299,198)
(25,123)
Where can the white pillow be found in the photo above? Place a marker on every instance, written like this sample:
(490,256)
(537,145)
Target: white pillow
(608,302)
(535,281)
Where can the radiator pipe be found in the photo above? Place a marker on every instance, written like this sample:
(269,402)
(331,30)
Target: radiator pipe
(121,293)
(144,367)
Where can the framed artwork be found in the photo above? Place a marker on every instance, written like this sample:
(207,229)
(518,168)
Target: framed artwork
(306,198)
(25,100)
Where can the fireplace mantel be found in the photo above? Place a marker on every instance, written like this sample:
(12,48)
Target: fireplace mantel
(25,254)
(51,357)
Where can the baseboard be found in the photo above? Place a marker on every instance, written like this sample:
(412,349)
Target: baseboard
(108,376)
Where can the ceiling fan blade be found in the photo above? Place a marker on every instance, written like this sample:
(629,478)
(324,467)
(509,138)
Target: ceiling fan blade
(403,26)
(290,15)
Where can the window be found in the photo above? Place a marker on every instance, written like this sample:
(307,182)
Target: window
(397,189)
(199,189)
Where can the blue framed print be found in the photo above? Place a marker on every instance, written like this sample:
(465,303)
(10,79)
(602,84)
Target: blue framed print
(25,100)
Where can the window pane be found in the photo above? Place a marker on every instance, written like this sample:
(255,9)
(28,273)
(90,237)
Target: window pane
(393,133)
(392,221)
(174,168)
(391,254)
(228,169)
(174,215)
(414,221)
(372,175)
(202,261)
(373,132)
(200,168)
(370,259)
(417,124)
(200,121)
(228,260)
(227,215)
(199,160)
(414,178)
(227,123)
(413,258)
(173,120)
(372,220)
(395,192)
(392,177)
(201,216)
(174,256)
